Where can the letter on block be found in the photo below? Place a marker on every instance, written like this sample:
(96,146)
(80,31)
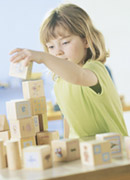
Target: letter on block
(22,128)
(116,142)
(37,157)
(36,123)
(33,89)
(95,152)
(3,123)
(20,71)
(65,149)
(46,137)
(127,145)
(38,105)
(18,109)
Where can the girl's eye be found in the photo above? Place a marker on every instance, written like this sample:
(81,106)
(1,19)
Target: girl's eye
(66,42)
(50,47)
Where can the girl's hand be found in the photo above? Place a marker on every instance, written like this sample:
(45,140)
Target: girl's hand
(26,55)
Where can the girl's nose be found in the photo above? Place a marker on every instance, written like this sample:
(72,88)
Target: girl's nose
(59,52)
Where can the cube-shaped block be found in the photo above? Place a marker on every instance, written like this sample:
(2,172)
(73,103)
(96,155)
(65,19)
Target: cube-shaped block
(18,109)
(20,71)
(116,142)
(65,149)
(5,135)
(127,145)
(3,123)
(33,89)
(46,137)
(2,155)
(37,158)
(36,123)
(22,128)
(38,105)
(43,121)
(95,152)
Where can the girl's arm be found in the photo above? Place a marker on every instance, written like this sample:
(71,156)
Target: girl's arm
(67,70)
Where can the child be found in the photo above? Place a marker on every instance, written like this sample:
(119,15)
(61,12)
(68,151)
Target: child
(75,52)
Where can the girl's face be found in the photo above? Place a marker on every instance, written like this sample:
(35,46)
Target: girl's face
(68,46)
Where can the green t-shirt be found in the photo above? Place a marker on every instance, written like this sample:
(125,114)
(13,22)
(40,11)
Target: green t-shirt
(87,111)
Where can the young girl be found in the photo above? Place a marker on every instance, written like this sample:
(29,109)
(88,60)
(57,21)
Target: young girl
(75,52)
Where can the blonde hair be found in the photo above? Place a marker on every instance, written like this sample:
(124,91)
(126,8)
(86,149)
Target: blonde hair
(76,21)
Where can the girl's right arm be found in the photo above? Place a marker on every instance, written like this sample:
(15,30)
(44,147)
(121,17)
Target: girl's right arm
(67,70)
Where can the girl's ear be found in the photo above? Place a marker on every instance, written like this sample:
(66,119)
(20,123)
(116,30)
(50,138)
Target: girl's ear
(86,43)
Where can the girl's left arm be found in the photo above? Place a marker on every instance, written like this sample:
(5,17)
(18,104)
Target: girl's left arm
(67,70)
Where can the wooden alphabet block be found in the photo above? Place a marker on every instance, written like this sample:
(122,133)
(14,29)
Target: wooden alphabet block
(22,128)
(13,155)
(18,109)
(95,152)
(43,122)
(38,105)
(127,145)
(5,135)
(20,71)
(3,123)
(2,155)
(36,123)
(37,158)
(65,149)
(33,89)
(116,142)
(46,137)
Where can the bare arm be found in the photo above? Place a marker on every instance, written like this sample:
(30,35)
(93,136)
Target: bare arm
(67,70)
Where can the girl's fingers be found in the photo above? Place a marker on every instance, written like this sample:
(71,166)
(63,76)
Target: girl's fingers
(17,58)
(15,50)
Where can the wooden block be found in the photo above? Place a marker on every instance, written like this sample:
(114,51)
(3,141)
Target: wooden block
(2,155)
(22,128)
(37,158)
(3,123)
(43,122)
(25,142)
(18,109)
(5,135)
(95,152)
(36,123)
(127,145)
(46,137)
(65,149)
(20,71)
(116,142)
(33,89)
(38,105)
(13,155)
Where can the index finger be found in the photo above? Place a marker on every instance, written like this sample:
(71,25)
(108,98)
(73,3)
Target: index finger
(15,50)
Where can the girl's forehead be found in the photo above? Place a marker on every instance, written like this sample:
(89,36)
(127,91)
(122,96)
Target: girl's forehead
(58,32)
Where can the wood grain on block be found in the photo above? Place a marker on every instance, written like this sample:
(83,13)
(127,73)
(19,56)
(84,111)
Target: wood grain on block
(22,128)
(116,142)
(37,157)
(43,122)
(20,71)
(5,135)
(13,155)
(96,152)
(3,123)
(2,155)
(38,105)
(46,137)
(65,149)
(33,89)
(18,109)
